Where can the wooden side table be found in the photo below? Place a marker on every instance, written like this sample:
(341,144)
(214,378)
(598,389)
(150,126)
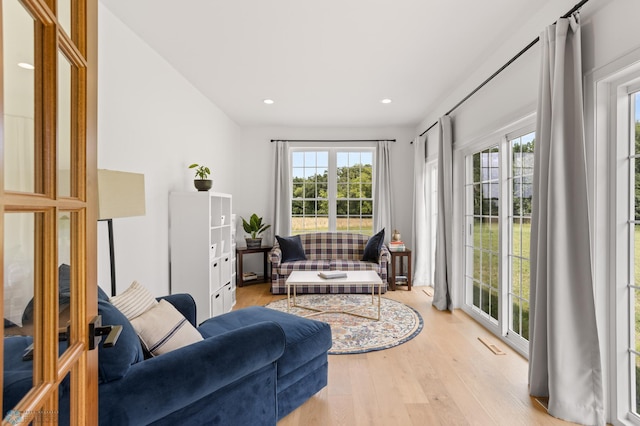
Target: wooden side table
(399,255)
(241,251)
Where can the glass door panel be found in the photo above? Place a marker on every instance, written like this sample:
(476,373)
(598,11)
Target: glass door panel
(18,44)
(483,235)
(65,225)
(64,15)
(19,304)
(520,220)
(64,126)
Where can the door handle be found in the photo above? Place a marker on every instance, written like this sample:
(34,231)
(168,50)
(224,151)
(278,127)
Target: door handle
(97,330)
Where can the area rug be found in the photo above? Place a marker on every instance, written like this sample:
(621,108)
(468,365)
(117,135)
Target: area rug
(398,323)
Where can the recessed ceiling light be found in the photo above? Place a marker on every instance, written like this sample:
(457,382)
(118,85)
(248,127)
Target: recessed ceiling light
(268,101)
(386,101)
(26,66)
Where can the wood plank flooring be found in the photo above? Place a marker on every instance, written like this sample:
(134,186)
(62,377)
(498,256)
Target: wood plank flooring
(444,376)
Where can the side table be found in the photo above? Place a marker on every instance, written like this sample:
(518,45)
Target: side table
(241,251)
(399,255)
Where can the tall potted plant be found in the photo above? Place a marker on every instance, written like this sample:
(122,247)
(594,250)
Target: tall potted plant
(254,227)
(202,183)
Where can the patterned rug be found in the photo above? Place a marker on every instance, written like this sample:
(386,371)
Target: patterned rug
(352,335)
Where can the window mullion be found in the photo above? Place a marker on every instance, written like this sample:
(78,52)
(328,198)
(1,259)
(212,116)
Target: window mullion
(332,189)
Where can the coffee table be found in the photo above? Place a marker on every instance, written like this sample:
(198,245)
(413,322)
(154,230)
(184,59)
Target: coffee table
(311,278)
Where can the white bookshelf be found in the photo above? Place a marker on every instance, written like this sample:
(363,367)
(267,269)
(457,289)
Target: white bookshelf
(202,250)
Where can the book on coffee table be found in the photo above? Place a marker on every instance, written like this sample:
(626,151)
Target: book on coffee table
(332,274)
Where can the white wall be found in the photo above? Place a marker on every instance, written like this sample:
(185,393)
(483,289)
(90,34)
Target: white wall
(256,176)
(152,121)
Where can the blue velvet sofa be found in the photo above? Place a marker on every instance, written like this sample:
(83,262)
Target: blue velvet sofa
(254,366)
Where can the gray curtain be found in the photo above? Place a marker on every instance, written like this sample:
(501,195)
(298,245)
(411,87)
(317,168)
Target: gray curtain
(282,208)
(420,220)
(382,213)
(444,236)
(564,360)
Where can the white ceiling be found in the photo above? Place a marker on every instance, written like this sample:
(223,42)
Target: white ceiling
(325,63)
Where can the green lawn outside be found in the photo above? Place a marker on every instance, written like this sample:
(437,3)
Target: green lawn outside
(486,264)
(300,225)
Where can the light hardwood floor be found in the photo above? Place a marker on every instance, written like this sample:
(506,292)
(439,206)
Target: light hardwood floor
(444,376)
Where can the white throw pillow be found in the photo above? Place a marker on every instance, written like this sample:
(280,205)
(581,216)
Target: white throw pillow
(134,301)
(163,328)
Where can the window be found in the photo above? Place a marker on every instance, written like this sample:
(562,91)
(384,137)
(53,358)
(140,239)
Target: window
(498,195)
(332,190)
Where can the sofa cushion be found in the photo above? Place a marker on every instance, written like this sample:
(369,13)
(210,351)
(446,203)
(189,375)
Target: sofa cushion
(115,362)
(134,301)
(372,249)
(163,328)
(305,338)
(291,248)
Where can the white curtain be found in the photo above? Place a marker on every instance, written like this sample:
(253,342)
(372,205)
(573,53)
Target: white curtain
(444,233)
(421,220)
(282,208)
(382,212)
(564,360)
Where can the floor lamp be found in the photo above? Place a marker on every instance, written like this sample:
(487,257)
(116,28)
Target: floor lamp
(120,194)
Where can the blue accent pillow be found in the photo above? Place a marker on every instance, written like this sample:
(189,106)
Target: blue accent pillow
(102,295)
(291,248)
(372,249)
(114,362)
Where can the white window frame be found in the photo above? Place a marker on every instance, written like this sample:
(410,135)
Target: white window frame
(606,91)
(515,340)
(332,180)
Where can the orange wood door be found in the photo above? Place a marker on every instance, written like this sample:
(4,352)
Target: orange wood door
(48,203)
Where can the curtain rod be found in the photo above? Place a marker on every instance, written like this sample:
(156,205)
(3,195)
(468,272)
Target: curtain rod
(573,10)
(333,140)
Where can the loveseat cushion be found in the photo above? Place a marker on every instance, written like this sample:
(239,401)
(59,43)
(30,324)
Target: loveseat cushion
(115,361)
(352,265)
(304,265)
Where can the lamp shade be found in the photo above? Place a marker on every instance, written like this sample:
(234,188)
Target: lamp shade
(120,194)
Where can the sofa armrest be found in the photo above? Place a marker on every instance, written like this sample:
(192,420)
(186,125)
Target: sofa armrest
(275,256)
(385,256)
(184,303)
(161,385)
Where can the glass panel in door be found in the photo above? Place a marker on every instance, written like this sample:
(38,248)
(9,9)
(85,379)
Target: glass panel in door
(18,47)
(483,230)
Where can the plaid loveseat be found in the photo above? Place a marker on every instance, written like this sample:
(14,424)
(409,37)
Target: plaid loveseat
(328,251)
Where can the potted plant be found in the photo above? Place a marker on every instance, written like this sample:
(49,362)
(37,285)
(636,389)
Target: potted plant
(202,183)
(254,227)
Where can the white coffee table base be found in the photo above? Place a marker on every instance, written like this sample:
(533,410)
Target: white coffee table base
(310,278)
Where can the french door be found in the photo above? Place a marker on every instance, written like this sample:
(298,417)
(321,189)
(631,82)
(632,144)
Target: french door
(498,195)
(47,202)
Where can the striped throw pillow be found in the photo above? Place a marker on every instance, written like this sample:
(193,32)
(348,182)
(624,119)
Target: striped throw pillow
(134,301)
(163,328)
